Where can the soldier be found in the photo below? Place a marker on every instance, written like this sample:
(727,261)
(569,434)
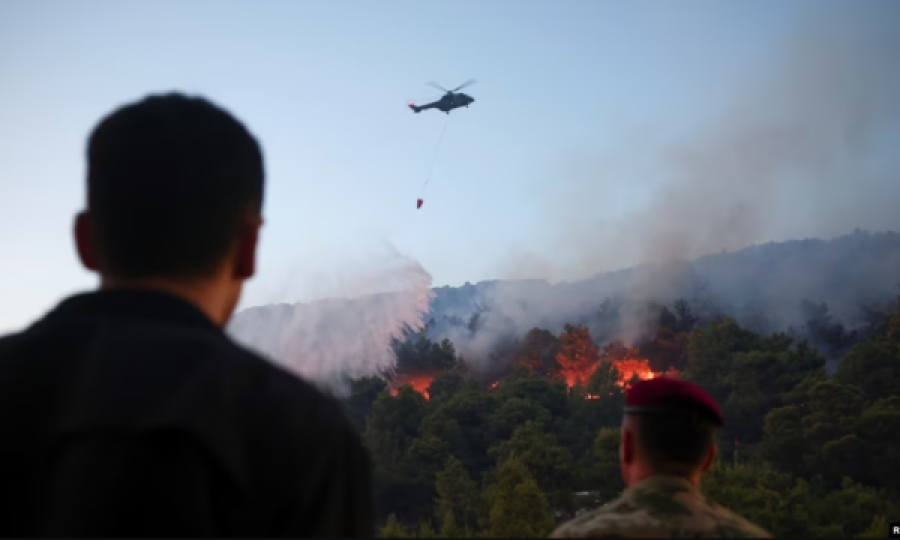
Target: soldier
(667,444)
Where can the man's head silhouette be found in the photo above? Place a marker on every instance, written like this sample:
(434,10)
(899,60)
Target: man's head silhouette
(175,193)
(668,429)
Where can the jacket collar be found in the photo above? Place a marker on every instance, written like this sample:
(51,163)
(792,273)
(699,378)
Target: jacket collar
(133,304)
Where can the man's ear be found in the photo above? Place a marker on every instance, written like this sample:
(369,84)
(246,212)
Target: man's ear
(247,242)
(83,231)
(710,458)
(627,446)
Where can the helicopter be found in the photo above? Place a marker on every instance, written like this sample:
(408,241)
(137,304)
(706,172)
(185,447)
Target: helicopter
(452,99)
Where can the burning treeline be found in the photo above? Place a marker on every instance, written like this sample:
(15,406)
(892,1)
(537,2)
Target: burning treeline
(571,357)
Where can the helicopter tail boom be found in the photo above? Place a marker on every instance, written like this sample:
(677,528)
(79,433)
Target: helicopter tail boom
(414,108)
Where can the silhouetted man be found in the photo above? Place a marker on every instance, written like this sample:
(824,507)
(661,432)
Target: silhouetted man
(667,444)
(128,411)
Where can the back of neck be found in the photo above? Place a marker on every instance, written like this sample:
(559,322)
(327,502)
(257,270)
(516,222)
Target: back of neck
(200,293)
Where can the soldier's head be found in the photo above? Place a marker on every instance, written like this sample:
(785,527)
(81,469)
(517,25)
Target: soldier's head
(174,196)
(668,428)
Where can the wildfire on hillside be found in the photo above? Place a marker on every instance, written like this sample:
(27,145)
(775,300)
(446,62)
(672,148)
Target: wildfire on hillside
(420,383)
(628,368)
(572,376)
(494,384)
(631,367)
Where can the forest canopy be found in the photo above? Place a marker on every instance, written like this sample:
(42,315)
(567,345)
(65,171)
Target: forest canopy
(516,450)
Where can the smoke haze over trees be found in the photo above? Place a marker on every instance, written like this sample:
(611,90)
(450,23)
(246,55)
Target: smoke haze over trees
(821,289)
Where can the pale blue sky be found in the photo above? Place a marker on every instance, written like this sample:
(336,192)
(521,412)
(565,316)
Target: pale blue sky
(323,84)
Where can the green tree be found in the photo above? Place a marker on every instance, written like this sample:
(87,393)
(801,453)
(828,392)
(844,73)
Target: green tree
(768,498)
(759,379)
(538,351)
(445,385)
(711,353)
(363,393)
(449,528)
(606,453)
(425,457)
(420,355)
(784,442)
(390,431)
(551,465)
(513,413)
(392,529)
(529,386)
(792,507)
(426,530)
(874,367)
(470,409)
(878,427)
(457,499)
(392,426)
(830,424)
(878,529)
(515,505)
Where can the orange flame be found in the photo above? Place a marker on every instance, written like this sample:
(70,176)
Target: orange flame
(631,367)
(627,369)
(572,376)
(494,384)
(420,384)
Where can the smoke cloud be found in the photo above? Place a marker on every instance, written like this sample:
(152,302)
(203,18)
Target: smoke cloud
(373,301)
(794,154)
(808,147)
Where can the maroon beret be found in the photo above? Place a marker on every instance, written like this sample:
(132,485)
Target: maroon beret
(665,395)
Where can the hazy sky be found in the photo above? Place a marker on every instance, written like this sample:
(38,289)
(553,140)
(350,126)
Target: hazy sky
(323,84)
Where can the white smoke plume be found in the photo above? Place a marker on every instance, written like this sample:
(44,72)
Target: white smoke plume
(807,148)
(350,334)
(795,155)
(804,149)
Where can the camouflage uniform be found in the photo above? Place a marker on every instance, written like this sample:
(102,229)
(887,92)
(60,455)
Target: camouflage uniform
(660,507)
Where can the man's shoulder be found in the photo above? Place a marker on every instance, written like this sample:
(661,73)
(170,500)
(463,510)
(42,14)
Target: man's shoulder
(281,387)
(615,519)
(660,515)
(169,358)
(296,400)
(733,525)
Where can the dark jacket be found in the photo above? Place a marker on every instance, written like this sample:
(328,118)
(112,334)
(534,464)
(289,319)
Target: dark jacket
(129,413)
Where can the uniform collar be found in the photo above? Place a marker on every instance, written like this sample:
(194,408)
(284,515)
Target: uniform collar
(663,482)
(133,304)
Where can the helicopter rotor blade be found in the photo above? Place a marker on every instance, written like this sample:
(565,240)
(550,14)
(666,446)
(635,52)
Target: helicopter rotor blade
(439,87)
(468,83)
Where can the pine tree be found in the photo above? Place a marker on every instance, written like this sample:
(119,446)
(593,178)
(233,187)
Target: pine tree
(516,506)
(426,530)
(450,529)
(457,496)
(392,529)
